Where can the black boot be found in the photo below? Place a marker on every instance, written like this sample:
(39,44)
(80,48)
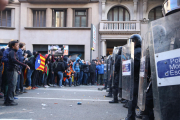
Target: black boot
(10,103)
(115,100)
(124,101)
(108,95)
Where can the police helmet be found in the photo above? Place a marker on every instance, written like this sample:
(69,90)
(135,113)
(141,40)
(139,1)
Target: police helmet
(119,51)
(137,38)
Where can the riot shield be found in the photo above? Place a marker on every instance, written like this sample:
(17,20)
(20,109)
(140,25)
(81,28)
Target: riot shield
(165,66)
(128,71)
(108,68)
(120,76)
(115,52)
(105,69)
(144,64)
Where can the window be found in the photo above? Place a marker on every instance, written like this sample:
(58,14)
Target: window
(5,18)
(59,18)
(118,14)
(155,14)
(39,18)
(80,18)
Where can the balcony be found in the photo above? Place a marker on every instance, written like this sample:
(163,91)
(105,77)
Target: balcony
(119,27)
(57,1)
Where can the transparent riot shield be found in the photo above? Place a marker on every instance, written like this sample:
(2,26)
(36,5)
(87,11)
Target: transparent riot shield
(165,66)
(114,55)
(120,76)
(105,69)
(109,68)
(128,71)
(144,64)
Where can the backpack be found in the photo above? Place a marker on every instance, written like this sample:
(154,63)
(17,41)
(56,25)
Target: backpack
(60,67)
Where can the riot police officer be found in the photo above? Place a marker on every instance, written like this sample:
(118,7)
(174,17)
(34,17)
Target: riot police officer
(136,38)
(116,82)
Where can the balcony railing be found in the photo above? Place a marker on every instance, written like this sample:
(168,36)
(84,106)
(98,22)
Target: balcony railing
(58,1)
(119,26)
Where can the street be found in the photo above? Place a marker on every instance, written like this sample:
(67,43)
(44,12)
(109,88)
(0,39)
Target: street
(61,104)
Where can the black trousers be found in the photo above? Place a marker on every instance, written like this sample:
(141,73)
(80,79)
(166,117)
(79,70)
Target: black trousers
(115,86)
(133,103)
(149,105)
(35,78)
(21,80)
(12,81)
(110,86)
(92,78)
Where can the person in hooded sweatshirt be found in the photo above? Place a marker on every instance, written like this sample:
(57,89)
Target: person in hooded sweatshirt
(76,69)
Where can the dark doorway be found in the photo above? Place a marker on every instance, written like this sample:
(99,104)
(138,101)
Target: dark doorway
(110,44)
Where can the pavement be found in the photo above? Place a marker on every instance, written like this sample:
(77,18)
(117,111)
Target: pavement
(56,103)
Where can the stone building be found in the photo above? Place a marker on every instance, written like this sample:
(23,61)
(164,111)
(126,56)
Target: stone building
(122,18)
(40,23)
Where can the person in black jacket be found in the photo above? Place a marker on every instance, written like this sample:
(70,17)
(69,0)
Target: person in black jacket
(85,71)
(92,70)
(30,62)
(60,69)
(137,56)
(35,76)
(116,82)
(13,69)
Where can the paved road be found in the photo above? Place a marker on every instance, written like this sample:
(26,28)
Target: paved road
(61,104)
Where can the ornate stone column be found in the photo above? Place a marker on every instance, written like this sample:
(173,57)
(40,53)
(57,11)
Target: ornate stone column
(135,8)
(144,8)
(103,9)
(103,47)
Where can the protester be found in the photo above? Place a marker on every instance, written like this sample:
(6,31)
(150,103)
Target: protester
(35,75)
(92,70)
(30,62)
(13,70)
(20,76)
(54,73)
(60,69)
(86,72)
(100,69)
(1,70)
(76,68)
(5,59)
(67,77)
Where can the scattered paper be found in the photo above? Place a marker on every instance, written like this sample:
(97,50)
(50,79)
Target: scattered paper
(44,105)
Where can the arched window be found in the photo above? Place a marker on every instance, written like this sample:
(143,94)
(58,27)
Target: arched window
(118,14)
(155,13)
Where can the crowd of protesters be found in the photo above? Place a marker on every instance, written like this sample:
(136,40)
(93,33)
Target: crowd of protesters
(18,73)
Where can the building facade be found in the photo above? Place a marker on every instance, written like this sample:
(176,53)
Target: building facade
(40,23)
(122,18)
